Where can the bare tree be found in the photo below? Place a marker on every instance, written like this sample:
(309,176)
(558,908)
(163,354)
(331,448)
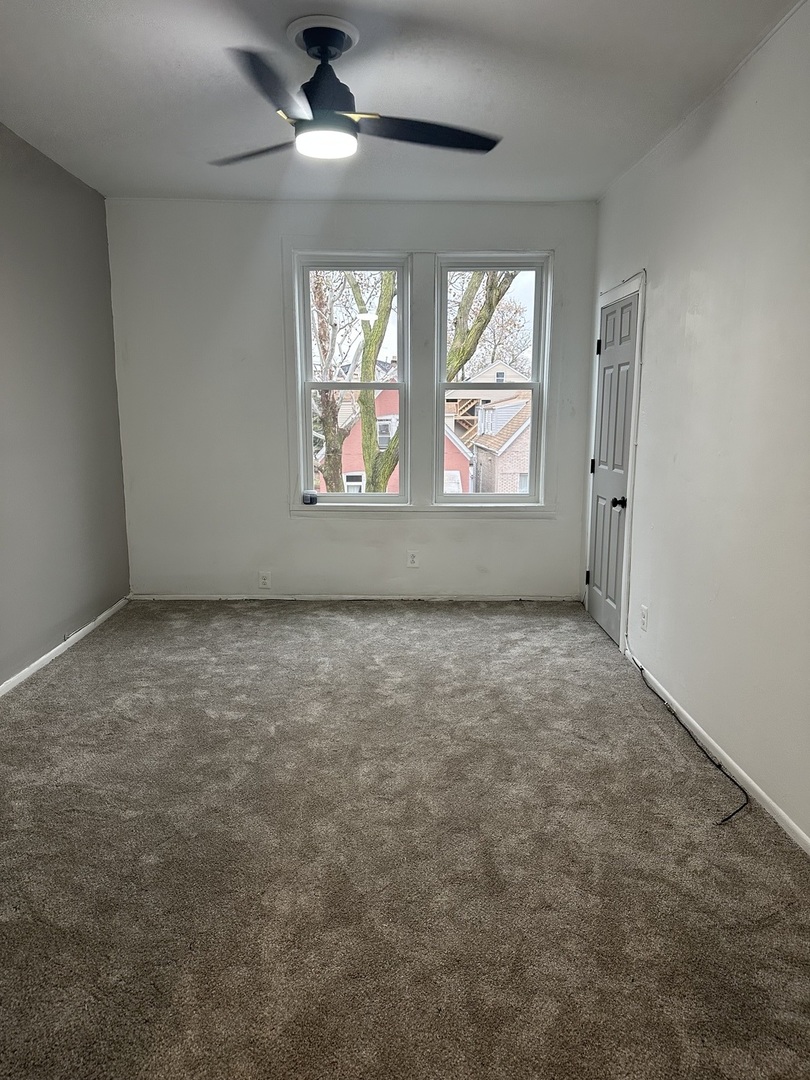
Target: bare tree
(350,315)
(379,464)
(473,298)
(506,339)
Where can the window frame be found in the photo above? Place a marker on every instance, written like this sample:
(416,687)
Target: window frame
(540,263)
(421,456)
(304,262)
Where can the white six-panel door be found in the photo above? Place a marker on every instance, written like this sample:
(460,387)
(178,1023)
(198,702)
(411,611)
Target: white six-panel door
(611,458)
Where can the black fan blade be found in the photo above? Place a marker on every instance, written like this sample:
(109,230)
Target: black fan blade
(420,131)
(252,154)
(271,85)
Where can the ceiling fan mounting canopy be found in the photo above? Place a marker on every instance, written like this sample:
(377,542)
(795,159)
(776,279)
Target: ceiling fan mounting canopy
(322,43)
(315,33)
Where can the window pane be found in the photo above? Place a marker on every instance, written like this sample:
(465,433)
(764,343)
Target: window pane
(487,440)
(503,301)
(353,316)
(355,441)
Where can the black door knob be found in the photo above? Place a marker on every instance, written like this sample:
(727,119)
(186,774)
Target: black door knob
(622,502)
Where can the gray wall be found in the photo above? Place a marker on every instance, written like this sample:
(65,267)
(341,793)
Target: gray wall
(63,548)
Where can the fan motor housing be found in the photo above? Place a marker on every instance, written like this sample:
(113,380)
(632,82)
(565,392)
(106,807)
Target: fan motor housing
(325,91)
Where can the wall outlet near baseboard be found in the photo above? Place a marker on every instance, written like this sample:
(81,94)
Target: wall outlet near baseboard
(264,579)
(412,560)
(645,614)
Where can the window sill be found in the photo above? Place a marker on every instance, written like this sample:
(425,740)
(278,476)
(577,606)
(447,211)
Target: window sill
(483,510)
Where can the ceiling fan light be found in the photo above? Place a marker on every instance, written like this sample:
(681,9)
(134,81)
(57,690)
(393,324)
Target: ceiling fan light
(332,138)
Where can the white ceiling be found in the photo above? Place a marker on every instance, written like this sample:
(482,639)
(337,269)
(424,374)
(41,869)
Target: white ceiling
(136,96)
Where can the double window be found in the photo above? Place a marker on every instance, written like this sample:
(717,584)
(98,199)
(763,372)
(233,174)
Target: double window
(368,433)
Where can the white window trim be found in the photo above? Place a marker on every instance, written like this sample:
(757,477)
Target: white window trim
(541,263)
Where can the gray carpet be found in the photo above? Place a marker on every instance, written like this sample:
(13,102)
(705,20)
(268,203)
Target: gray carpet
(382,840)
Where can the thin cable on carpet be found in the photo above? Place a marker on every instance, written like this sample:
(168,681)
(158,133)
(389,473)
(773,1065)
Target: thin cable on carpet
(717,764)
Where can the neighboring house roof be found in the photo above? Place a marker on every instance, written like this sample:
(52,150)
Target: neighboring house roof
(498,442)
(487,374)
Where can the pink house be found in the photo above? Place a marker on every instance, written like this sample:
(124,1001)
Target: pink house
(457,457)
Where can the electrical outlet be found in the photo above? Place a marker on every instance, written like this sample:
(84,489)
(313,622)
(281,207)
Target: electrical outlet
(645,612)
(412,560)
(264,579)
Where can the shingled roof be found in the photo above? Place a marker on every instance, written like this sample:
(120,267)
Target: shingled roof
(497,442)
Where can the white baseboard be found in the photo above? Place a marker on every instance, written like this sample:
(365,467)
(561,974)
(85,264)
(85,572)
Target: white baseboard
(26,673)
(349,596)
(717,751)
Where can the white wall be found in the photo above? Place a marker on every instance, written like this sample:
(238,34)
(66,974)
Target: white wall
(63,549)
(203,368)
(719,214)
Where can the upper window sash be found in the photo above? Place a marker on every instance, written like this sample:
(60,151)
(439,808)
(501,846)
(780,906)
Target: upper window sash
(538,262)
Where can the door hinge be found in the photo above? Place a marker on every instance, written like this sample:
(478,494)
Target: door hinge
(599,346)
(593,464)
(587,577)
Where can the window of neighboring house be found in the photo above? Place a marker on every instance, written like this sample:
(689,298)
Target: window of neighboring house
(385,431)
(490,348)
(452,481)
(353,362)
(491,362)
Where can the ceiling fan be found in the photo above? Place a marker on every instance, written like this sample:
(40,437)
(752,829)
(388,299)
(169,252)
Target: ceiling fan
(323,111)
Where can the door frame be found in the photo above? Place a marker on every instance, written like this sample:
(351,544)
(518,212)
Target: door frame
(637,283)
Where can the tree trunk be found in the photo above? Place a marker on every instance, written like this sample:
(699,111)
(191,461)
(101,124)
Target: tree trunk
(377,477)
(333,439)
(465,336)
